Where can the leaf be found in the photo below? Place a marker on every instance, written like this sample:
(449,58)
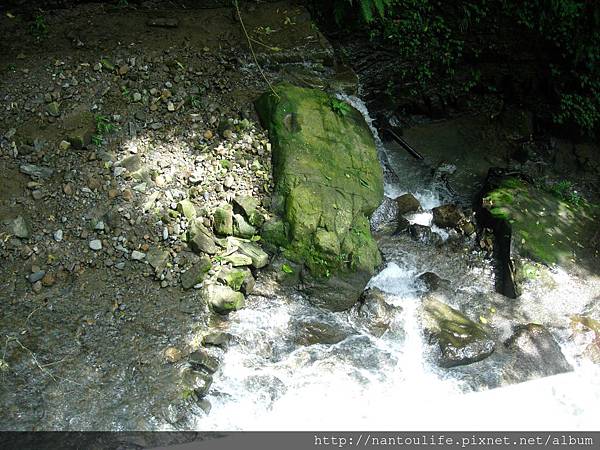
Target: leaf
(287,269)
(483,320)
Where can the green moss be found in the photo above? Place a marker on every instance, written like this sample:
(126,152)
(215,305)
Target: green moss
(328,179)
(545,228)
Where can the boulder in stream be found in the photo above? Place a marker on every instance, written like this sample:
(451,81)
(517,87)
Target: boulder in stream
(223,299)
(328,182)
(461,341)
(407,203)
(535,354)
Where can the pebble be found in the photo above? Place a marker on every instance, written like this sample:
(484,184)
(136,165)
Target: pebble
(165,233)
(96,244)
(127,195)
(208,134)
(37,287)
(99,226)
(137,256)
(58,235)
(137,97)
(36,276)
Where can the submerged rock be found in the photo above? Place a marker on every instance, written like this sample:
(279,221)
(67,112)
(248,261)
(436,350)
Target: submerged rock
(311,333)
(328,181)
(460,340)
(535,354)
(433,282)
(375,313)
(407,203)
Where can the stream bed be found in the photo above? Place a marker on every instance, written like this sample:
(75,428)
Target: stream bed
(292,366)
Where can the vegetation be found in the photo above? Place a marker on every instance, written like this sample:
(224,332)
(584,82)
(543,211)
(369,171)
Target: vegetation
(432,39)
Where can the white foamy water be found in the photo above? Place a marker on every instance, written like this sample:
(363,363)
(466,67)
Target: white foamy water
(269,381)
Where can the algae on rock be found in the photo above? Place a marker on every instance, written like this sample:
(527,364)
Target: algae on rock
(328,181)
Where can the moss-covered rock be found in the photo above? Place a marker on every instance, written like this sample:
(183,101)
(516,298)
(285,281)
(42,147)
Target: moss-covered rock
(461,340)
(328,181)
(529,222)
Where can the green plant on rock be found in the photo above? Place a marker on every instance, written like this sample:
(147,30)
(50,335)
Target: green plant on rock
(340,107)
(565,190)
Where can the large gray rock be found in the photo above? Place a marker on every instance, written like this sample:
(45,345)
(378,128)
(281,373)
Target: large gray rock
(534,353)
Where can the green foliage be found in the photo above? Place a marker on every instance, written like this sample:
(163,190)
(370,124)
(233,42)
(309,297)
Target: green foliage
(340,107)
(565,190)
(431,38)
(103,127)
(287,268)
(39,27)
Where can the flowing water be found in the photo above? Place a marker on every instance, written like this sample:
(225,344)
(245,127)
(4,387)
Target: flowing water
(273,379)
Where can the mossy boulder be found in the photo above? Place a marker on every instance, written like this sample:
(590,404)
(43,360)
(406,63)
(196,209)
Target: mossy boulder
(328,181)
(531,223)
(461,340)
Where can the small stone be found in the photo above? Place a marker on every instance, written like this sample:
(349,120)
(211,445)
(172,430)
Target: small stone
(127,195)
(20,228)
(172,354)
(58,235)
(68,189)
(96,244)
(187,208)
(137,255)
(36,276)
(170,106)
(53,109)
(99,226)
(165,233)
(112,193)
(36,171)
(208,134)
(37,194)
(64,145)
(48,280)
(37,287)
(229,182)
(137,97)
(123,69)
(97,67)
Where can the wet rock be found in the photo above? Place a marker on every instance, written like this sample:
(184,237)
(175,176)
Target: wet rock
(217,339)
(223,299)
(461,341)
(407,203)
(223,220)
(375,313)
(312,333)
(197,381)
(274,233)
(172,354)
(535,354)
(196,274)
(424,234)
(433,282)
(20,228)
(447,216)
(201,239)
(36,171)
(201,360)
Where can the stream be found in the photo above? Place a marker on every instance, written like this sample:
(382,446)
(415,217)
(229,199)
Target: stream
(273,377)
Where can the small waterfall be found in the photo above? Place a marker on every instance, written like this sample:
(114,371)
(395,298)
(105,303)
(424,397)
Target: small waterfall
(272,380)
